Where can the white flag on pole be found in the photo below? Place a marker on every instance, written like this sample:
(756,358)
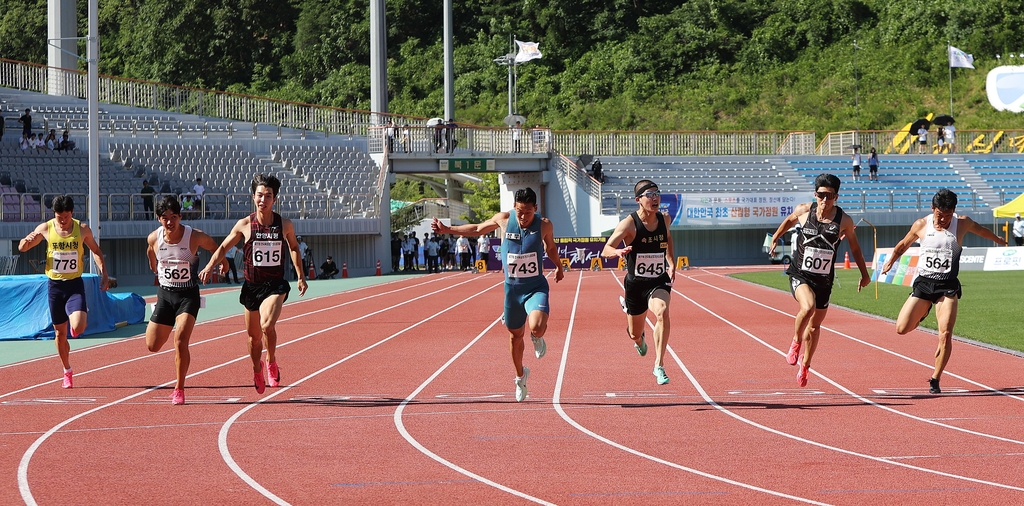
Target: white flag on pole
(958,58)
(527,51)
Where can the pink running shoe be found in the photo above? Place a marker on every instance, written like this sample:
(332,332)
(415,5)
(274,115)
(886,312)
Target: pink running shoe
(273,375)
(257,379)
(69,381)
(178,397)
(794,352)
(801,376)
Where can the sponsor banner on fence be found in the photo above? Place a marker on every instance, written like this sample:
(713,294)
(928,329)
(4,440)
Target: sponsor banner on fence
(730,208)
(580,251)
(971,259)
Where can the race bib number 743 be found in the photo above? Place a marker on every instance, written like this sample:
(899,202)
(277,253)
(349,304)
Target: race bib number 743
(524,265)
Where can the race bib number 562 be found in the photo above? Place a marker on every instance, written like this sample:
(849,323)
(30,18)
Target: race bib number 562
(266,253)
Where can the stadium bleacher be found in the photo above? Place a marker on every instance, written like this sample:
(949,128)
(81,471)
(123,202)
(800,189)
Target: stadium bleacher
(1005,174)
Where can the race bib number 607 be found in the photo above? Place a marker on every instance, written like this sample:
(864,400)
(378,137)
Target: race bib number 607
(817,260)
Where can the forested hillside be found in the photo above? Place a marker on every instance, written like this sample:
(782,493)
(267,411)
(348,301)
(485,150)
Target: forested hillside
(608,64)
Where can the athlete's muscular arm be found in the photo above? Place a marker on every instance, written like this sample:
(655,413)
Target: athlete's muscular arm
(787,224)
(904,244)
(472,229)
(547,234)
(151,249)
(97,254)
(293,245)
(624,232)
(979,230)
(33,238)
(201,240)
(671,251)
(847,228)
(238,232)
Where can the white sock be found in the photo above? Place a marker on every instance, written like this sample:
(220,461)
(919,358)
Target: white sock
(67,370)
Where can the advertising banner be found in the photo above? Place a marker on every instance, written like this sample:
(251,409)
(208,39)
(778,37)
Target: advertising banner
(703,209)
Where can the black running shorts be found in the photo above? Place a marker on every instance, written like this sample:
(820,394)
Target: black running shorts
(932,289)
(252,295)
(172,303)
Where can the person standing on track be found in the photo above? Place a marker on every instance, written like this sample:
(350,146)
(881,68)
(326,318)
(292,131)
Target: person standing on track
(940,235)
(525,241)
(264,290)
(648,251)
(822,226)
(65,238)
(172,256)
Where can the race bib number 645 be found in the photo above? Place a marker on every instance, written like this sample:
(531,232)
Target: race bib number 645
(650,265)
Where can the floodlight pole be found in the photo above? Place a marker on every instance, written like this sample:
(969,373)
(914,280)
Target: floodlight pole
(93,57)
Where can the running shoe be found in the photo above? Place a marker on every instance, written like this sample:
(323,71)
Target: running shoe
(794,352)
(521,385)
(257,379)
(933,386)
(273,375)
(801,375)
(622,303)
(69,380)
(642,347)
(659,372)
(178,397)
(539,346)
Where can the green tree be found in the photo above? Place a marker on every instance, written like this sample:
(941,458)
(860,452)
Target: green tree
(484,198)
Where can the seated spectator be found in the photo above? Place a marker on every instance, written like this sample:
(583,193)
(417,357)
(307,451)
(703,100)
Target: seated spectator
(66,144)
(328,269)
(51,140)
(24,142)
(37,142)
(187,206)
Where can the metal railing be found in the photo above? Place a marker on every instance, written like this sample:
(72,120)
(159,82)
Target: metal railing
(922,201)
(459,141)
(901,142)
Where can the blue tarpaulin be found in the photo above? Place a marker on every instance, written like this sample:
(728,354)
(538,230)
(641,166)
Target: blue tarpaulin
(26,310)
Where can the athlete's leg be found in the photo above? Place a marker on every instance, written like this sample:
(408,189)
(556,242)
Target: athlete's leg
(811,334)
(805,297)
(538,322)
(913,311)
(945,312)
(270,310)
(516,346)
(658,304)
(252,327)
(77,320)
(157,335)
(635,324)
(184,323)
(60,331)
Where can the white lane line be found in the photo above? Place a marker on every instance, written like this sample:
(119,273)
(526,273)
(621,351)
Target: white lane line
(23,485)
(1013,393)
(714,404)
(561,412)
(222,437)
(207,322)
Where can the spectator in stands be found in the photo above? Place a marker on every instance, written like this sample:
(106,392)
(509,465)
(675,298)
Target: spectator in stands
(1018,230)
(66,144)
(596,167)
(856,163)
(922,139)
(449,136)
(37,141)
(951,137)
(462,248)
(328,269)
(199,190)
(24,143)
(389,134)
(51,140)
(187,206)
(67,239)
(873,165)
(517,133)
(940,236)
(232,266)
(3,126)
(941,138)
(147,200)
(431,250)
(406,141)
(396,251)
(26,122)
(439,130)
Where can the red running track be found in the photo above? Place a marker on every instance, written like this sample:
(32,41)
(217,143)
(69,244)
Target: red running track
(403,393)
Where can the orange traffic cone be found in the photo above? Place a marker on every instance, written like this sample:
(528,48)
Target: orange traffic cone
(846,263)
(344,270)
(312,273)
(378,268)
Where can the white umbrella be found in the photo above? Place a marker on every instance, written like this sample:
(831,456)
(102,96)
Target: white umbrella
(511,119)
(434,121)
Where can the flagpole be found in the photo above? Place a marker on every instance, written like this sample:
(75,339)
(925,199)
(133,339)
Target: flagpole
(949,61)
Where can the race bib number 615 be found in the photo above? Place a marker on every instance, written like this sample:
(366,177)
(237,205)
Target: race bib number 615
(266,253)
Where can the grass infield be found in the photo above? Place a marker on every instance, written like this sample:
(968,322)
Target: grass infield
(987,313)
